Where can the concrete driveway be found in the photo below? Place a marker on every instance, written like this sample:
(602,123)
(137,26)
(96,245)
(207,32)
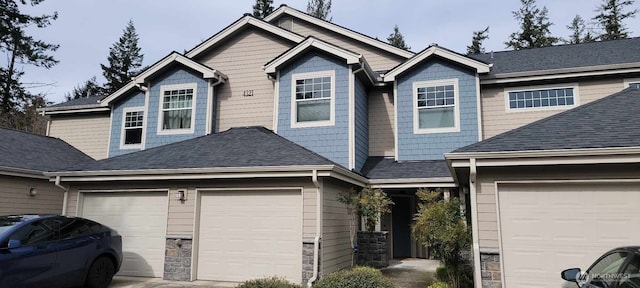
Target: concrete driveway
(411,273)
(141,282)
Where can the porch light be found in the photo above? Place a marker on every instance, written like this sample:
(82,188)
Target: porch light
(180,195)
(33,192)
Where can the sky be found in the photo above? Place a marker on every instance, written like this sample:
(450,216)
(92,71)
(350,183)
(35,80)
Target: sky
(85,29)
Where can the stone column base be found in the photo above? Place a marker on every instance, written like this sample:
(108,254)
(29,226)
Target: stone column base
(177,259)
(490,269)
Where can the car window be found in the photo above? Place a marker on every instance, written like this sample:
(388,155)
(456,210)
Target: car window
(74,227)
(631,274)
(606,269)
(35,233)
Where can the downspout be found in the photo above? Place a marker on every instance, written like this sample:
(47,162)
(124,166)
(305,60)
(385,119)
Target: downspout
(65,198)
(316,240)
(477,272)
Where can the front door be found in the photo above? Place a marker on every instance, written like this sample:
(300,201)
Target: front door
(401,221)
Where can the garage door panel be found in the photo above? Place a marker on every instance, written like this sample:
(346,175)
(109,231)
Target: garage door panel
(141,220)
(250,234)
(546,228)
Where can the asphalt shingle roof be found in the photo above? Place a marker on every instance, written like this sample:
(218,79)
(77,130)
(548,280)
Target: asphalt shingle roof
(91,100)
(564,56)
(23,150)
(236,147)
(609,122)
(388,168)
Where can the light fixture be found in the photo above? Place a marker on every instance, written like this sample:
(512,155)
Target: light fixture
(180,195)
(33,191)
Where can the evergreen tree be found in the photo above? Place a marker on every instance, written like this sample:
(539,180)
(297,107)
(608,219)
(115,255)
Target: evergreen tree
(88,88)
(262,8)
(611,16)
(396,39)
(534,27)
(124,60)
(579,32)
(319,9)
(20,49)
(476,42)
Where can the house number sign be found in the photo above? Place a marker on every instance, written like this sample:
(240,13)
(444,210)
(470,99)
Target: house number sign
(248,93)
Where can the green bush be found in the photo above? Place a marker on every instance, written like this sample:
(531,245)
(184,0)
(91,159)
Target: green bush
(358,277)
(439,285)
(442,274)
(272,282)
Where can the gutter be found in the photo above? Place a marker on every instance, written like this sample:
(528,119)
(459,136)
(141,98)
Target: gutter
(477,272)
(65,198)
(316,240)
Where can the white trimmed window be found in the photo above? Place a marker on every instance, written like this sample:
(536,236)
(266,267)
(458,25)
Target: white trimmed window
(436,108)
(313,99)
(132,128)
(177,109)
(635,83)
(536,99)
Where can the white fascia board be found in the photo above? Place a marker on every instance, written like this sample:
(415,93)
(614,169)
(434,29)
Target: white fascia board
(25,173)
(246,20)
(589,71)
(207,73)
(192,170)
(76,109)
(435,50)
(350,57)
(340,30)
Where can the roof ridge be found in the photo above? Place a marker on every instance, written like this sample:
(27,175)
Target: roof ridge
(31,133)
(544,120)
(559,45)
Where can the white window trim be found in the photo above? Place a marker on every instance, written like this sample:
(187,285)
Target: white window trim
(122,128)
(628,82)
(164,88)
(576,97)
(456,110)
(294,111)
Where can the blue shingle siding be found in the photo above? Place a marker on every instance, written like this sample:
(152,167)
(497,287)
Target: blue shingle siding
(432,146)
(361,125)
(135,99)
(174,77)
(329,141)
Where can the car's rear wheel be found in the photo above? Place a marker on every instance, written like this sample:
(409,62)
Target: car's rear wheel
(100,273)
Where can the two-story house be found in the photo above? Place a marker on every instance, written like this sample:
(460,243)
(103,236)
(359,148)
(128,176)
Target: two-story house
(225,163)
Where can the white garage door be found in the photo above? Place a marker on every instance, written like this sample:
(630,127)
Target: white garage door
(250,234)
(141,220)
(546,228)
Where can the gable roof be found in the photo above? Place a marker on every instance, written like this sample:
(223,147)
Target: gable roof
(562,59)
(284,9)
(610,122)
(174,57)
(435,50)
(236,147)
(314,43)
(246,20)
(32,153)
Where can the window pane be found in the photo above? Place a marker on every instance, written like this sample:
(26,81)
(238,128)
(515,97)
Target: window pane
(72,228)
(541,98)
(315,110)
(436,118)
(635,85)
(35,233)
(133,136)
(177,119)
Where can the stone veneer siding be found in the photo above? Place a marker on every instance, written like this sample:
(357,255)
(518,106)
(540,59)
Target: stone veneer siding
(307,261)
(490,269)
(177,260)
(373,249)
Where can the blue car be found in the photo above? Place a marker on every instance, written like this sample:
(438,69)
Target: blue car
(57,251)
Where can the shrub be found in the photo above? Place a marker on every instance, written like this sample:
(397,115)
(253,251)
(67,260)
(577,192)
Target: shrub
(442,274)
(358,277)
(272,282)
(439,285)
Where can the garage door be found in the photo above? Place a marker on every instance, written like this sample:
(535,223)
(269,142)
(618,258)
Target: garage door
(141,220)
(250,234)
(546,228)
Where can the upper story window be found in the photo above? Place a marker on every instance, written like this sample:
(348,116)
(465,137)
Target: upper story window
(436,108)
(547,98)
(177,108)
(313,99)
(132,127)
(635,83)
